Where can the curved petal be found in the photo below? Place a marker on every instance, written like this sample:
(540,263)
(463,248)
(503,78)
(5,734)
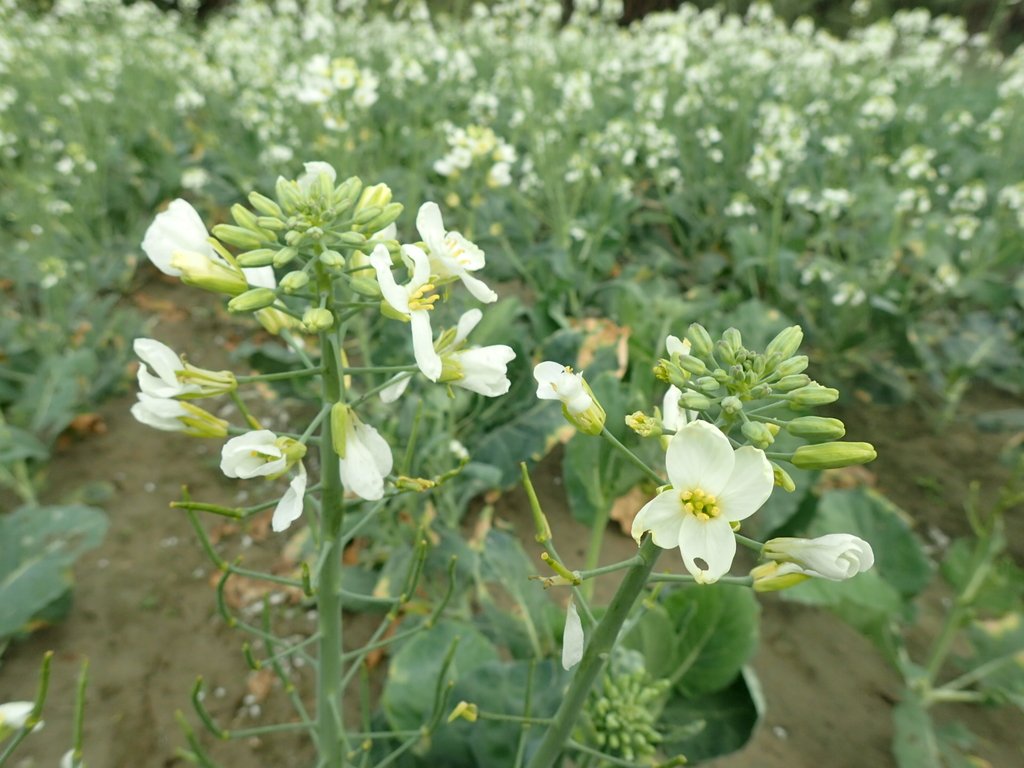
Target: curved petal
(179,228)
(467,323)
(749,485)
(378,447)
(572,638)
(710,541)
(395,388)
(421,265)
(662,516)
(394,294)
(478,288)
(423,350)
(367,461)
(548,374)
(261,277)
(699,456)
(430,225)
(676,347)
(671,416)
(163,360)
(289,508)
(158,387)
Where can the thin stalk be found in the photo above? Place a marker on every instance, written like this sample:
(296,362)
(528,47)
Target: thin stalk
(594,655)
(329,721)
(632,456)
(300,373)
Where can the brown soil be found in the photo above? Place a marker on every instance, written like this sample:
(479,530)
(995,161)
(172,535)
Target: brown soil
(145,616)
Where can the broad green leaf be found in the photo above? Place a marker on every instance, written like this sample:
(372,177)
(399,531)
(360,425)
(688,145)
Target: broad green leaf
(713,724)
(38,545)
(529,436)
(413,675)
(999,644)
(17,444)
(914,742)
(715,629)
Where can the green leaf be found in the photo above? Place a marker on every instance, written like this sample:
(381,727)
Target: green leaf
(530,435)
(999,593)
(17,445)
(914,742)
(37,548)
(414,672)
(713,632)
(999,643)
(714,724)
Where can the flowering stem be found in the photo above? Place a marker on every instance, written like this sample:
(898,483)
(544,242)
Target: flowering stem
(37,709)
(301,373)
(594,656)
(738,581)
(632,456)
(329,721)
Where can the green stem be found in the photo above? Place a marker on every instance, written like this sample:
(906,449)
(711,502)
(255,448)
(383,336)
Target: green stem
(622,565)
(35,716)
(300,373)
(632,456)
(329,722)
(682,578)
(594,656)
(751,544)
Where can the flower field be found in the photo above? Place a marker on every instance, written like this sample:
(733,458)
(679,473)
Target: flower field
(442,220)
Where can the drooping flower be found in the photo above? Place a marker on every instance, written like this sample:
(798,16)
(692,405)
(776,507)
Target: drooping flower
(834,556)
(177,416)
(711,486)
(254,454)
(483,370)
(289,508)
(174,377)
(451,254)
(367,460)
(558,382)
(414,300)
(572,638)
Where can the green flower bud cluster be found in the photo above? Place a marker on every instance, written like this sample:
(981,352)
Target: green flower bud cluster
(755,393)
(622,714)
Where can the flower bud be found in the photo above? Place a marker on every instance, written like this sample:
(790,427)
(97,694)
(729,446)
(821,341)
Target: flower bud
(203,272)
(415,484)
(789,383)
(771,577)
(465,711)
(332,259)
(835,556)
(285,256)
(733,340)
(708,384)
(274,320)
(243,217)
(365,215)
(238,236)
(377,196)
(731,404)
(643,425)
(759,435)
(346,193)
(315,320)
(294,281)
(261,257)
(694,401)
(817,429)
(813,394)
(782,478)
(700,340)
(387,216)
(289,195)
(693,365)
(786,343)
(270,224)
(352,239)
(832,455)
(251,300)
(265,205)
(792,366)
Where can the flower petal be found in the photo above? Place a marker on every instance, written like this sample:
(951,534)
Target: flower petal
(289,508)
(572,638)
(709,541)
(395,295)
(699,456)
(478,288)
(662,516)
(395,388)
(423,350)
(261,277)
(161,358)
(430,225)
(467,323)
(749,485)
(367,461)
(676,347)
(421,265)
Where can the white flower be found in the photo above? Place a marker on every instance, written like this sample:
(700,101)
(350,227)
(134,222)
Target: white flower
(558,382)
(712,486)
(367,460)
(165,364)
(835,556)
(672,416)
(479,369)
(413,300)
(572,638)
(452,255)
(14,715)
(68,760)
(179,228)
(314,171)
(254,454)
(161,413)
(289,508)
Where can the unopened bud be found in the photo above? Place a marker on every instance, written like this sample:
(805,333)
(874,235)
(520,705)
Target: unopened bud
(294,281)
(387,216)
(773,576)
(265,205)
(366,286)
(789,383)
(786,343)
(289,195)
(782,478)
(352,239)
(416,484)
(813,394)
(332,259)
(700,340)
(346,193)
(244,217)
(693,365)
(377,196)
(465,711)
(285,256)
(261,257)
(817,429)
(759,435)
(731,404)
(661,371)
(643,425)
(251,300)
(315,320)
(694,401)
(270,223)
(792,366)
(365,215)
(833,455)
(237,236)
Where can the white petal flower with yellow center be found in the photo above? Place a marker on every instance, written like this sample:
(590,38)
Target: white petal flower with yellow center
(559,382)
(711,486)
(451,254)
(367,460)
(165,364)
(413,300)
(483,370)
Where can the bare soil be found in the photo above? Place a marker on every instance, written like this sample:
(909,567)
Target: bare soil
(145,615)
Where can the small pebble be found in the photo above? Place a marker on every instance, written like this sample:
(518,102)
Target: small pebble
(780,733)
(149,487)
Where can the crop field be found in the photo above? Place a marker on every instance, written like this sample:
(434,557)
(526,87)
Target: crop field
(289,289)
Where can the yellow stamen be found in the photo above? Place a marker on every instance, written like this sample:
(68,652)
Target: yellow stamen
(420,300)
(701,505)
